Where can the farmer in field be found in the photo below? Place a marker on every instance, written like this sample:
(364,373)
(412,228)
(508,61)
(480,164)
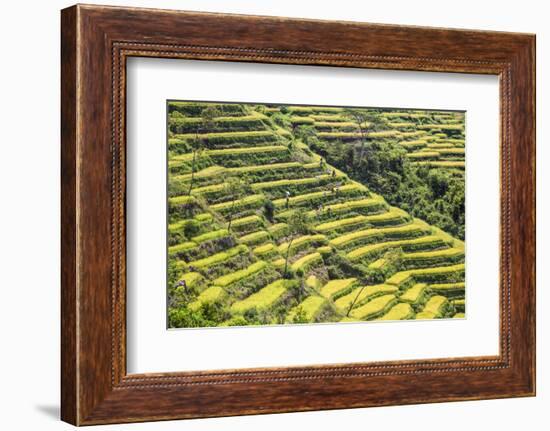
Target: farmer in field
(287,194)
(183,284)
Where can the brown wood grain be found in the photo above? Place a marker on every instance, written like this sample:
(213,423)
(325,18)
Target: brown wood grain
(68,217)
(96,41)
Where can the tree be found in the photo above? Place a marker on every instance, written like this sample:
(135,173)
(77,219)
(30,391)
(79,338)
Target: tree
(183,283)
(304,133)
(209,116)
(352,304)
(297,225)
(300,316)
(291,145)
(281,120)
(191,228)
(207,122)
(373,276)
(196,147)
(280,313)
(234,188)
(438,182)
(367,122)
(301,288)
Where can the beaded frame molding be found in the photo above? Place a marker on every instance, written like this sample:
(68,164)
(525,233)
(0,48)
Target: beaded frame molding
(95,43)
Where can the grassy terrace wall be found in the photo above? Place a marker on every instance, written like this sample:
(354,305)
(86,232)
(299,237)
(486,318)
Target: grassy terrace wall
(263,230)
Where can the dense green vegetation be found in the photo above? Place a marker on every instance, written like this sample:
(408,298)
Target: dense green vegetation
(424,177)
(298,214)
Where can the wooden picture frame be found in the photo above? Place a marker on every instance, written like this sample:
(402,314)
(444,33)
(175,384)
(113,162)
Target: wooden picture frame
(96,41)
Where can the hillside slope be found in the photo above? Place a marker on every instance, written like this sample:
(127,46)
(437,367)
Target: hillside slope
(264,231)
(414,158)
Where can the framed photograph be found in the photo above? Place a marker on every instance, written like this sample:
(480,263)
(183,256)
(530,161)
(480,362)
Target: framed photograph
(264,215)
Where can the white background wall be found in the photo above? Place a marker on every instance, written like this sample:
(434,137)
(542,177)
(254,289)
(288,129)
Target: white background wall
(29,214)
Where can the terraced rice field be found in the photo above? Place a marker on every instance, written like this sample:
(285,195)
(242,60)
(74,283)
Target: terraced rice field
(262,230)
(430,137)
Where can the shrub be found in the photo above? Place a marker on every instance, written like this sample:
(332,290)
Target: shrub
(191,228)
(281,120)
(307,310)
(339,266)
(278,230)
(236,321)
(299,316)
(269,210)
(184,317)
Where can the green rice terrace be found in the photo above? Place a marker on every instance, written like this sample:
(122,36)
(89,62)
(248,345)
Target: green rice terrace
(273,219)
